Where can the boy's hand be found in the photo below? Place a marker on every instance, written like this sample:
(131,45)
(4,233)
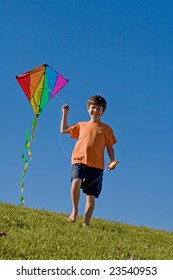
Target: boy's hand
(112,164)
(65,108)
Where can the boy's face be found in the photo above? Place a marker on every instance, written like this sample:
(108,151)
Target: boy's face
(95,112)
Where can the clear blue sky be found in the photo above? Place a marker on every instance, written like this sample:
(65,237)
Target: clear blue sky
(121,49)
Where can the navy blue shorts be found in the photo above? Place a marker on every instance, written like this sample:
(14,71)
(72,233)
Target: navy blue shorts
(91,178)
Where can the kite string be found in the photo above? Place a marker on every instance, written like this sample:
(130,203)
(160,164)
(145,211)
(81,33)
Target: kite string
(59,135)
(60,140)
(60,99)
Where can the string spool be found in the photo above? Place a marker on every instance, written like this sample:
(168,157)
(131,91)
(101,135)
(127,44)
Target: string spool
(113,164)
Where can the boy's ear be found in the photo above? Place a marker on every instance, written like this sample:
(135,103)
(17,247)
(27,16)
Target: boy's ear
(103,112)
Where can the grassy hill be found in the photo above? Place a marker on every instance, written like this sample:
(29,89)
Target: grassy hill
(42,235)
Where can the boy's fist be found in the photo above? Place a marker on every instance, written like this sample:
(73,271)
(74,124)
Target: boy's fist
(65,107)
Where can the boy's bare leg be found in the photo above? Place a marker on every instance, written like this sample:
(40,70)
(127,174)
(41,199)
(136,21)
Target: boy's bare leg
(89,208)
(75,195)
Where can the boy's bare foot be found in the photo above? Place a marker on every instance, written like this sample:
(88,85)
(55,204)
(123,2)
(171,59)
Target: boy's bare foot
(72,218)
(85,225)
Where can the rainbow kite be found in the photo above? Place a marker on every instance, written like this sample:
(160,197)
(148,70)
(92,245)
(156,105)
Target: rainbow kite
(39,85)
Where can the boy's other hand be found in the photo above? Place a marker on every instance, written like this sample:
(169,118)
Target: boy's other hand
(112,164)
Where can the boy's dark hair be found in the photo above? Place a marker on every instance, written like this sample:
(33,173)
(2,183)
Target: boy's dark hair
(97,100)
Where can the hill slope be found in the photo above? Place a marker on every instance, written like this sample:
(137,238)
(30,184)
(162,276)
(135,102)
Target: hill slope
(38,234)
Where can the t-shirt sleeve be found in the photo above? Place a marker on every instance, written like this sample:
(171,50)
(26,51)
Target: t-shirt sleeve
(74,130)
(110,137)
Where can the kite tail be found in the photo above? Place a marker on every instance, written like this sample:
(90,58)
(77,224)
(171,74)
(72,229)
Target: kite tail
(29,139)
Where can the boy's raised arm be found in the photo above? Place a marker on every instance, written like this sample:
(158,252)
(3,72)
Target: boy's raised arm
(64,125)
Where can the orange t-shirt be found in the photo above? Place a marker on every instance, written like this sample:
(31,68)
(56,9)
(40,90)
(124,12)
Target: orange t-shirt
(92,140)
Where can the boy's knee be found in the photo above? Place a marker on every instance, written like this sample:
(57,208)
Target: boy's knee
(90,199)
(76,182)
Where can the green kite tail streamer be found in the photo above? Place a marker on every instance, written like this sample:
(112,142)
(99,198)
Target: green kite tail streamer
(26,151)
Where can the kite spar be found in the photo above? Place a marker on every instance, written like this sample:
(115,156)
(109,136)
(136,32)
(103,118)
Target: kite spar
(39,85)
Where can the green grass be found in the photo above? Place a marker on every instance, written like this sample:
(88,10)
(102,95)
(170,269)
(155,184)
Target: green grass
(33,234)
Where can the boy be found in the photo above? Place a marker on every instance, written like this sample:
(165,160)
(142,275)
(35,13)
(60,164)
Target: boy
(88,155)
